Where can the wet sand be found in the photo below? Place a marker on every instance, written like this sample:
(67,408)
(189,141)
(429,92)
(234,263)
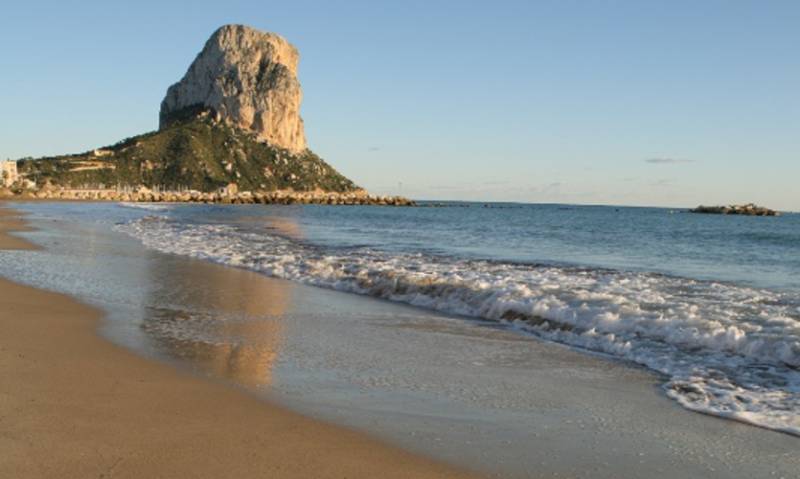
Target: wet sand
(75,405)
(11,221)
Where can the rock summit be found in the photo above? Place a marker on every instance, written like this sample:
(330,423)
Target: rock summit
(247,79)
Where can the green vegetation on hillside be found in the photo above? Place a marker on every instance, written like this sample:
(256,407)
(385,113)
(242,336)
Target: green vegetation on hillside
(197,153)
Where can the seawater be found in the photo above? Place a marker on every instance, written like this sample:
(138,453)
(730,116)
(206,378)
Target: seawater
(711,303)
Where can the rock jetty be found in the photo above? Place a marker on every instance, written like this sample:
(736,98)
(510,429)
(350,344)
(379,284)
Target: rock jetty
(223,196)
(749,209)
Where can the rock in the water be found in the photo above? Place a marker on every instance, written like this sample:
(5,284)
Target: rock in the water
(249,80)
(749,209)
(230,132)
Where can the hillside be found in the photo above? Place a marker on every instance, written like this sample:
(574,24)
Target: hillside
(199,153)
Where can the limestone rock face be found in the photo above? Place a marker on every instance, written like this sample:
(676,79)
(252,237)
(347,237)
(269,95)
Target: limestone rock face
(248,79)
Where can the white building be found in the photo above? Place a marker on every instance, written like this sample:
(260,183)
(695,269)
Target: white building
(9,172)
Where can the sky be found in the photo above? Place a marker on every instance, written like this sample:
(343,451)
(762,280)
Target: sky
(667,103)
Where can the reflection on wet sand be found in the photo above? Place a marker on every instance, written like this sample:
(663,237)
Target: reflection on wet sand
(226,321)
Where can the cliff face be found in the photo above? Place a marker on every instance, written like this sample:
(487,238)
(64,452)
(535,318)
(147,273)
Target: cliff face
(248,79)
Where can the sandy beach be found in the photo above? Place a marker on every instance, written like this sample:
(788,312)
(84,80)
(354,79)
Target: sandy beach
(75,405)
(167,363)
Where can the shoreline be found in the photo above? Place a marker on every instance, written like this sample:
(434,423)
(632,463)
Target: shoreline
(73,404)
(461,392)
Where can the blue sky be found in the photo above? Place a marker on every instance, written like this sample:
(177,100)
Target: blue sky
(668,103)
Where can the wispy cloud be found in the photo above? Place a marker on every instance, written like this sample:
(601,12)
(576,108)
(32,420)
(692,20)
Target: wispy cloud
(663,182)
(667,161)
(374,148)
(551,188)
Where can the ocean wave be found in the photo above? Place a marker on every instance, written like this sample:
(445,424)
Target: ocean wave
(145,206)
(727,350)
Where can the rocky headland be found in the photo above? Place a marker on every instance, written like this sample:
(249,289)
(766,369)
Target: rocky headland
(230,131)
(749,209)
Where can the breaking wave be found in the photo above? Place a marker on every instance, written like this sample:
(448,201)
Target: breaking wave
(727,350)
(145,206)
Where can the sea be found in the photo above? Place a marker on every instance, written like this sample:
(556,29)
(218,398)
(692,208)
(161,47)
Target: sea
(709,304)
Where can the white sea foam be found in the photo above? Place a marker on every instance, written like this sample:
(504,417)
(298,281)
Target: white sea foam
(145,206)
(727,350)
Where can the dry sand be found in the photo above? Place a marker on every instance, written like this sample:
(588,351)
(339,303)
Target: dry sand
(73,405)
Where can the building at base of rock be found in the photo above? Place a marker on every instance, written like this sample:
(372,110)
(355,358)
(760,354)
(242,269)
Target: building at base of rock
(8,171)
